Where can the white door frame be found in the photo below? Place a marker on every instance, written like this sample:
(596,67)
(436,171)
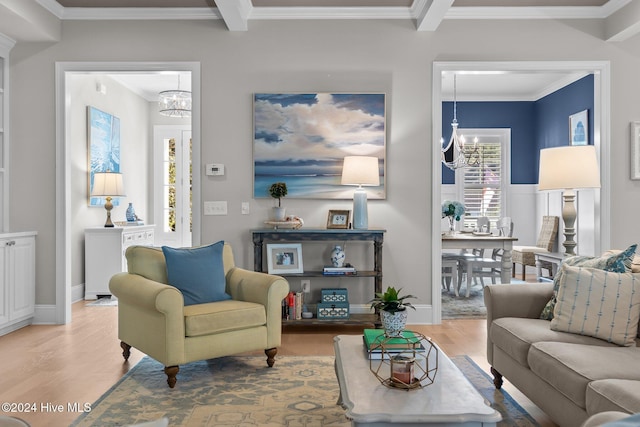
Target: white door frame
(63,161)
(602,142)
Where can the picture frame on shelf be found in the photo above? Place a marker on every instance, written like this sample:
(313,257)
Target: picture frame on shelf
(284,258)
(635,150)
(579,128)
(338,219)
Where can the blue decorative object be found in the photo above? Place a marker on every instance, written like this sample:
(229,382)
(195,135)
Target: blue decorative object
(131,213)
(337,257)
(197,272)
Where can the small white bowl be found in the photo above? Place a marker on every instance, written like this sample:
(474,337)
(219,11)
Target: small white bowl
(307,315)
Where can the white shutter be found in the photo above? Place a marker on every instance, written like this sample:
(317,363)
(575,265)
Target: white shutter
(483,181)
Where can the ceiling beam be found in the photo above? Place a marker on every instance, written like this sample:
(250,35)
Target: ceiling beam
(27,20)
(430,13)
(623,23)
(235,13)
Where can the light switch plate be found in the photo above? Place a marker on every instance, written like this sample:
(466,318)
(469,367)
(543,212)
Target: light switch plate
(215,208)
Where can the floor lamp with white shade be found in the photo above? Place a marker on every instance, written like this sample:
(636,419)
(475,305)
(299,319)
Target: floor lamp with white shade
(569,168)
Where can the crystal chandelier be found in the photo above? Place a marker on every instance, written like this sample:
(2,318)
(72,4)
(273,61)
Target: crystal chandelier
(454,155)
(175,103)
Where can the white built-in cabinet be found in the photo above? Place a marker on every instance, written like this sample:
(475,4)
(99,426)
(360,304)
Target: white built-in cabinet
(104,254)
(17,280)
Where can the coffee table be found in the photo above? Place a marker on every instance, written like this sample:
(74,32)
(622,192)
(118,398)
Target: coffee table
(450,401)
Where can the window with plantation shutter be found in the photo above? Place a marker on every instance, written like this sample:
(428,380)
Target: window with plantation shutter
(482,185)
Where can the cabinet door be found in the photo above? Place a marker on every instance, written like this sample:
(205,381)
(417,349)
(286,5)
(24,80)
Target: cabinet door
(4,285)
(21,267)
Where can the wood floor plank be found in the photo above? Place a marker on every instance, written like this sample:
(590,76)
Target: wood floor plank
(78,362)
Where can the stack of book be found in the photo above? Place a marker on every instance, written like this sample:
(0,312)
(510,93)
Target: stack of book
(339,271)
(373,338)
(292,306)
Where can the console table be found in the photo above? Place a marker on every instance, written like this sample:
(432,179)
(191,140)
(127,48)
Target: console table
(266,235)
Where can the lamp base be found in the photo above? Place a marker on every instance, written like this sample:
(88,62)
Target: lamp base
(569,215)
(108,206)
(360,214)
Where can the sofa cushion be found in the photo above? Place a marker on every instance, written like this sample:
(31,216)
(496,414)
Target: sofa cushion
(222,316)
(515,335)
(613,395)
(599,304)
(618,261)
(569,368)
(197,272)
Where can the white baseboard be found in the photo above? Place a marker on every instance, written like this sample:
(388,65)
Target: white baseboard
(45,315)
(77,293)
(422,315)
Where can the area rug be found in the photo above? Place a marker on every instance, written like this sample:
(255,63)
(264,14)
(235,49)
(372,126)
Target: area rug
(242,391)
(109,301)
(461,307)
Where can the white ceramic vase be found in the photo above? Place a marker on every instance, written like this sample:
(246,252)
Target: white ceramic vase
(394,323)
(337,257)
(278,213)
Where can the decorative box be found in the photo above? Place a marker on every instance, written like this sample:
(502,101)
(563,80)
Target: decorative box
(334,310)
(334,295)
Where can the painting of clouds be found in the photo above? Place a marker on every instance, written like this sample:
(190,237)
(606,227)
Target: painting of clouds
(301,139)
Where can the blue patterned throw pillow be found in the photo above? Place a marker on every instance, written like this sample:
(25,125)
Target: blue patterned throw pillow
(617,263)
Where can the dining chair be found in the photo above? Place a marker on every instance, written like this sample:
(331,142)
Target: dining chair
(525,255)
(449,273)
(480,267)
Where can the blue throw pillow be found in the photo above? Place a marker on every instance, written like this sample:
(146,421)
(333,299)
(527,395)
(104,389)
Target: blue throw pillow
(197,272)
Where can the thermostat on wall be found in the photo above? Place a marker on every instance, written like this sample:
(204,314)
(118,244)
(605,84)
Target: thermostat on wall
(215,169)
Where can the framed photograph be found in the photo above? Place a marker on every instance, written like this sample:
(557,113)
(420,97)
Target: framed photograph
(579,128)
(635,150)
(103,136)
(338,219)
(284,258)
(302,138)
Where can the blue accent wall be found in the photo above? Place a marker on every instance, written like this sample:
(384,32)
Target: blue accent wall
(534,125)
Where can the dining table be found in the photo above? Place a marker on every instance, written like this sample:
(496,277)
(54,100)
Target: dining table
(472,240)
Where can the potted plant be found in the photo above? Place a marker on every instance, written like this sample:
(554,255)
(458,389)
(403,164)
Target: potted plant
(278,190)
(393,310)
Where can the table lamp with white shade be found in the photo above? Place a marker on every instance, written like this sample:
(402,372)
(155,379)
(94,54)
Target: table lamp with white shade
(569,168)
(360,170)
(108,185)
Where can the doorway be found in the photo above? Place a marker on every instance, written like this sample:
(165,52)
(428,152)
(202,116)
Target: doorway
(600,70)
(172,189)
(64,209)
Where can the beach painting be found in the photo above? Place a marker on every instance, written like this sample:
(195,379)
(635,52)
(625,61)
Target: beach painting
(104,148)
(302,138)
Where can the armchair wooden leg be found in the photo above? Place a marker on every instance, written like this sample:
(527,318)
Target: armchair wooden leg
(171,372)
(126,350)
(497,378)
(271,356)
(513,270)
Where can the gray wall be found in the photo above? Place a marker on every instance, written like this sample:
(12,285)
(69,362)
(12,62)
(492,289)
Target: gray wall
(352,56)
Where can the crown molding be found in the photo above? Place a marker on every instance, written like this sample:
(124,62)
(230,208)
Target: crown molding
(284,13)
(140,13)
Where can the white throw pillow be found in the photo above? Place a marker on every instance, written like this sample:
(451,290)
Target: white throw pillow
(598,303)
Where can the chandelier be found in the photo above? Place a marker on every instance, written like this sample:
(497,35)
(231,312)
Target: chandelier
(175,103)
(454,155)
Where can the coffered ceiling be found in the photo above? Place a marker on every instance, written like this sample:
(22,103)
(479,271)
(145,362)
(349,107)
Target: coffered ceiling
(35,20)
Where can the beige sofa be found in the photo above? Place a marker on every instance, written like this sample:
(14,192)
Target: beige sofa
(569,376)
(152,316)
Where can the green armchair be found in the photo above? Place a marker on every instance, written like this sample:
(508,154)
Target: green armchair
(152,316)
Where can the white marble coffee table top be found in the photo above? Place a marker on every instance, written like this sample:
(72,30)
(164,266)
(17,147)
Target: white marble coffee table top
(451,399)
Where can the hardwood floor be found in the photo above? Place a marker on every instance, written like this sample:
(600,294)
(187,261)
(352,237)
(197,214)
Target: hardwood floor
(48,366)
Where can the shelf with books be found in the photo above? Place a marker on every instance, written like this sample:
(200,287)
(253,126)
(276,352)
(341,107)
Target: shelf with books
(261,237)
